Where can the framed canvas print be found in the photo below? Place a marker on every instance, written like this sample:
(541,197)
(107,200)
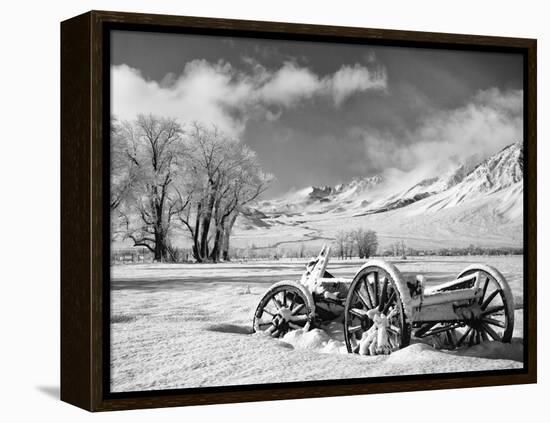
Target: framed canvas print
(258,210)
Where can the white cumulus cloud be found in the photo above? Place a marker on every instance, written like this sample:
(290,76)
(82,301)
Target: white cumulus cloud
(491,120)
(220,94)
(351,79)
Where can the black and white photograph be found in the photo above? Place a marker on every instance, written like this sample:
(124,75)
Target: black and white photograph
(300,211)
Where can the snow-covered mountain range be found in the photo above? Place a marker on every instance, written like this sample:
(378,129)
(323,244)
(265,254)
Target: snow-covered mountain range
(480,203)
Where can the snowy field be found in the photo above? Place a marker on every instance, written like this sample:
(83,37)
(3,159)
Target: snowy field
(189,325)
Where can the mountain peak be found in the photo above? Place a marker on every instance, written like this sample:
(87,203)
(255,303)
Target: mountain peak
(355,186)
(498,171)
(359,183)
(465,182)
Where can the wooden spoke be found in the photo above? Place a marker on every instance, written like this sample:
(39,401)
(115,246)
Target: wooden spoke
(494,322)
(277,303)
(366,302)
(391,341)
(489,299)
(390,302)
(299,318)
(293,302)
(491,332)
(294,325)
(492,310)
(370,293)
(451,338)
(484,335)
(383,293)
(463,337)
(420,333)
(485,286)
(395,329)
(264,324)
(268,312)
(365,282)
(375,286)
(359,312)
(284,299)
(445,328)
(394,340)
(472,338)
(354,329)
(296,309)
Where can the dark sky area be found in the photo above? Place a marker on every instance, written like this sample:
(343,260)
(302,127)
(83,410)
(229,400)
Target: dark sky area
(323,113)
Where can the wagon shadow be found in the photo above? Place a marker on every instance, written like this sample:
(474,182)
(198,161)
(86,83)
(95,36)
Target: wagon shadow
(192,282)
(247,330)
(495,350)
(230,328)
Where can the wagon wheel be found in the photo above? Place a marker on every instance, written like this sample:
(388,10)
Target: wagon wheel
(374,287)
(283,308)
(491,317)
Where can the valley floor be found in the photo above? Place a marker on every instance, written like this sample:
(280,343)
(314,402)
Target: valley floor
(479,223)
(188,325)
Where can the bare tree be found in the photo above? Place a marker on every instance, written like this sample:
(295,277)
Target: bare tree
(123,169)
(369,243)
(156,152)
(243,182)
(363,240)
(123,174)
(344,244)
(399,249)
(340,243)
(366,241)
(357,236)
(226,177)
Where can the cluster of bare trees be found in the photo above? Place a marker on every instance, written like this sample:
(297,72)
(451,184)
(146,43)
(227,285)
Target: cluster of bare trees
(166,178)
(362,242)
(399,249)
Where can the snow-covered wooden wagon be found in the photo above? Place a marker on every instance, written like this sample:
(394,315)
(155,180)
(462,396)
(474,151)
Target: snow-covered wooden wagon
(380,310)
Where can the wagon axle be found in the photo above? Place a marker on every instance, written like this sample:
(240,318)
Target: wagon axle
(471,314)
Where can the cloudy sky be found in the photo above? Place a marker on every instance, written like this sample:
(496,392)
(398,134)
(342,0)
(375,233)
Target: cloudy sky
(321,114)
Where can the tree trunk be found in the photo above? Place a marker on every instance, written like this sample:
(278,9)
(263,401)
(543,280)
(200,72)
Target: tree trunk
(226,235)
(161,250)
(215,253)
(207,217)
(196,246)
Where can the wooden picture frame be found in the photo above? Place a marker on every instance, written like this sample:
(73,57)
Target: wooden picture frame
(84,220)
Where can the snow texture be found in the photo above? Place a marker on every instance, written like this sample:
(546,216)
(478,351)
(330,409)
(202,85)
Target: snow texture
(183,326)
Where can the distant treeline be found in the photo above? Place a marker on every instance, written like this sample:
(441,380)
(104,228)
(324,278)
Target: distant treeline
(302,252)
(471,250)
(144,255)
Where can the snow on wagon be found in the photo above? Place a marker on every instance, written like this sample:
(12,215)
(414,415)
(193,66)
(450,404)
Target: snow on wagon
(380,310)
